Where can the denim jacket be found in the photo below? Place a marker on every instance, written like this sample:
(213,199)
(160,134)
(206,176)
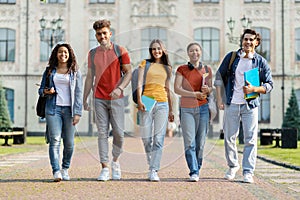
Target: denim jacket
(76,92)
(223,74)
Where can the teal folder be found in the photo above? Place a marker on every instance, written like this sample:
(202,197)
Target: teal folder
(148,102)
(252,76)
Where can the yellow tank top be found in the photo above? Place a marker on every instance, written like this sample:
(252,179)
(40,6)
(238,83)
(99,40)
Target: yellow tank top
(155,82)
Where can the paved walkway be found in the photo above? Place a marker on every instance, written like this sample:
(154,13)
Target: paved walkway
(28,176)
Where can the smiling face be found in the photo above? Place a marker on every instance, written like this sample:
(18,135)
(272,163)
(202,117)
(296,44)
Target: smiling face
(194,53)
(249,43)
(103,36)
(156,51)
(63,54)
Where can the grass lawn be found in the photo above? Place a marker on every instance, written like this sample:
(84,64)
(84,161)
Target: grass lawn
(288,156)
(32,144)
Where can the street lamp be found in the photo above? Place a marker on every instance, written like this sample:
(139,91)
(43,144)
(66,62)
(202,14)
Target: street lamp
(54,33)
(246,22)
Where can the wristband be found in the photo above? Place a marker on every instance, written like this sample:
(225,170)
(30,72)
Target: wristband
(120,88)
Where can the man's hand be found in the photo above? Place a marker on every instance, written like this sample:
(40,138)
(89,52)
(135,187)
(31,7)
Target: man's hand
(248,88)
(116,93)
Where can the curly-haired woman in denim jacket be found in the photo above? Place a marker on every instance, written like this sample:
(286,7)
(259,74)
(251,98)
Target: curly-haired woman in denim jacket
(63,106)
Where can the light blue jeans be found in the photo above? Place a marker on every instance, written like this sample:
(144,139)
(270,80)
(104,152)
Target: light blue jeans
(194,124)
(233,113)
(153,126)
(60,125)
(109,112)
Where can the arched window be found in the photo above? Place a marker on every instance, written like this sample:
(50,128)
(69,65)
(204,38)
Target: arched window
(265,44)
(148,34)
(7,44)
(209,38)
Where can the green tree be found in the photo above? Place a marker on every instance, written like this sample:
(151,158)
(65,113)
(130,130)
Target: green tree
(4,116)
(292,115)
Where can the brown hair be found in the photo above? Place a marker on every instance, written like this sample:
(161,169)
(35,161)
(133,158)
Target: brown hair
(191,44)
(53,61)
(252,32)
(164,58)
(101,24)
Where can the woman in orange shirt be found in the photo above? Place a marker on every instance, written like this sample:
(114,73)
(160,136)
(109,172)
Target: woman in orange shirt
(193,83)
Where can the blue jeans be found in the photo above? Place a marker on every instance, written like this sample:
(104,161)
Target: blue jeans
(109,112)
(60,125)
(153,126)
(233,113)
(194,124)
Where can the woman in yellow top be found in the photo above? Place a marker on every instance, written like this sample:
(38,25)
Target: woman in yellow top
(153,123)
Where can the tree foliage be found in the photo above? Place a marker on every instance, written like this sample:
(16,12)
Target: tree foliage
(292,115)
(4,115)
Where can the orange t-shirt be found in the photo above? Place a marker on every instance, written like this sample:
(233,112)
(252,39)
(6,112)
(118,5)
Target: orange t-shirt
(107,71)
(192,81)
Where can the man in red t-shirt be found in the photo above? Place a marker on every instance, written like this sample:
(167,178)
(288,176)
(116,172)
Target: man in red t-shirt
(104,76)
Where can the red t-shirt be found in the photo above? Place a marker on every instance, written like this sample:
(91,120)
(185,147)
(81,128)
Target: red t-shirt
(107,71)
(192,81)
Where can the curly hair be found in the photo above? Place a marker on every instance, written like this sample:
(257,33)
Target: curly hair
(72,63)
(164,58)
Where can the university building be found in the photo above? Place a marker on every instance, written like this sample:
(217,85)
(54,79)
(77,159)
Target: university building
(29,30)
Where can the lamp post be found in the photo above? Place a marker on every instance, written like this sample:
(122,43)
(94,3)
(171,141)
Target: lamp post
(246,22)
(52,34)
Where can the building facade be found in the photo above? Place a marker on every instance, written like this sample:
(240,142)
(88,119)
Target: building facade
(26,42)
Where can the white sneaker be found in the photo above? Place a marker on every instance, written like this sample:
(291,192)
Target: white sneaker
(57,176)
(115,170)
(248,178)
(194,178)
(153,176)
(104,175)
(65,174)
(230,174)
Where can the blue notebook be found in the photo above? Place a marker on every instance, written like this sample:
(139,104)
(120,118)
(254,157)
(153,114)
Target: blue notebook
(148,102)
(252,76)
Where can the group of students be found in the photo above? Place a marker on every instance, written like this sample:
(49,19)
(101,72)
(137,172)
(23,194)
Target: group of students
(193,82)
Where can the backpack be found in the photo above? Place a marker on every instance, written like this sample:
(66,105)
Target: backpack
(134,80)
(117,52)
(211,103)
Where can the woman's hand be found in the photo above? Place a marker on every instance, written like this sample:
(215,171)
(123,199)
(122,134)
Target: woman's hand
(205,89)
(141,106)
(200,95)
(171,117)
(76,119)
(49,91)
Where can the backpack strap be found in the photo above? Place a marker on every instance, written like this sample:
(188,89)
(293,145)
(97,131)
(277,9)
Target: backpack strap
(117,50)
(233,55)
(145,72)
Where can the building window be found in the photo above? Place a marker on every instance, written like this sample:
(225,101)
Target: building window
(297,44)
(9,96)
(148,35)
(102,1)
(93,41)
(297,1)
(265,44)
(48,41)
(264,108)
(257,1)
(56,1)
(206,1)
(7,44)
(209,38)
(7,1)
